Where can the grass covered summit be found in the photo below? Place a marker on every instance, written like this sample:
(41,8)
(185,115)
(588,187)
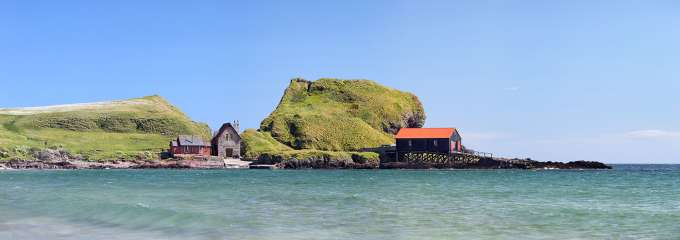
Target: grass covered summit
(336,115)
(124,129)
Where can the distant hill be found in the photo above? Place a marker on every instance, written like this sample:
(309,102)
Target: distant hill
(333,116)
(102,130)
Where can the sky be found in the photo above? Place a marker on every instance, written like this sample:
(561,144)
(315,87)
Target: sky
(549,80)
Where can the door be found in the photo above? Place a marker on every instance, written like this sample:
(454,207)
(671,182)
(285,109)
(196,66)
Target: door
(228,152)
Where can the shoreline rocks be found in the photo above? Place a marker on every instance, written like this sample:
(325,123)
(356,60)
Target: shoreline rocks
(115,164)
(499,163)
(485,163)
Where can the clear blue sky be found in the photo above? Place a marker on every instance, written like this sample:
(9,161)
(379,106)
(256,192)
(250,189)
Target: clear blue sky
(567,80)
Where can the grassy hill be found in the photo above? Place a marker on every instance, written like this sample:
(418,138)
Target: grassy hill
(125,129)
(332,118)
(341,115)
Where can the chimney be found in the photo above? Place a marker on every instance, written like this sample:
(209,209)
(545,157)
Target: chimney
(235,123)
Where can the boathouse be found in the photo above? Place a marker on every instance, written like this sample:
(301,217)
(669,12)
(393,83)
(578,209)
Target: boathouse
(433,140)
(227,143)
(188,144)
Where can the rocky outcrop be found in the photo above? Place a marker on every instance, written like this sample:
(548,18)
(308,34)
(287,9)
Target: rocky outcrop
(341,115)
(323,164)
(320,160)
(497,163)
(413,119)
(39,164)
(53,155)
(570,165)
(128,164)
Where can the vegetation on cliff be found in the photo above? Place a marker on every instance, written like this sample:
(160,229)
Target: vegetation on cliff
(257,142)
(264,149)
(331,119)
(127,129)
(341,115)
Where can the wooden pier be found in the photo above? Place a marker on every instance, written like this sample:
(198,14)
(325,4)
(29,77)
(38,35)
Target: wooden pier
(424,159)
(438,158)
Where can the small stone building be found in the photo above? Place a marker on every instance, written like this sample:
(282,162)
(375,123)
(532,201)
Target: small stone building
(227,143)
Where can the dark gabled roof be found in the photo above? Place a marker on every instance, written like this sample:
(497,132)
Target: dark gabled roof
(413,133)
(222,129)
(190,140)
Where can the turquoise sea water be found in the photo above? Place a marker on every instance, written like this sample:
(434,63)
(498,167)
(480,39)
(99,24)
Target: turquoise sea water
(629,202)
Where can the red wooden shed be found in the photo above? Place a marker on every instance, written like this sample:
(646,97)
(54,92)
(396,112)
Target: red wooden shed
(187,144)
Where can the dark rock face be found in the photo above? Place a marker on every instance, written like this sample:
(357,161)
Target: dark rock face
(588,165)
(323,164)
(318,162)
(408,120)
(497,163)
(570,165)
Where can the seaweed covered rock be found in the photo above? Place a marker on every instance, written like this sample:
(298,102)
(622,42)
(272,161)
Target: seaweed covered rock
(321,159)
(581,164)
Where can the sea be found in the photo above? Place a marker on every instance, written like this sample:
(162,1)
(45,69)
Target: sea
(627,202)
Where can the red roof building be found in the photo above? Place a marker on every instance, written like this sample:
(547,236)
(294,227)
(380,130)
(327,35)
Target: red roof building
(187,144)
(441,140)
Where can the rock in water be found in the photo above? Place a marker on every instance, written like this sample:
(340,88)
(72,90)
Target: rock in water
(581,164)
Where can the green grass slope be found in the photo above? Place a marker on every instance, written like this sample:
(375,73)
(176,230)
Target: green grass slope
(323,123)
(126,129)
(256,142)
(263,148)
(341,115)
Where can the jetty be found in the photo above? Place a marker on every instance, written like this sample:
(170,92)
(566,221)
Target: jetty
(477,160)
(425,148)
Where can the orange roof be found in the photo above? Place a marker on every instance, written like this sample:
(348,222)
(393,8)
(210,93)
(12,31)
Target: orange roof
(425,132)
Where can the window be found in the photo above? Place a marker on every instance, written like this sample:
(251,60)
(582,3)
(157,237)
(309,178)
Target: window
(228,137)
(435,142)
(410,143)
